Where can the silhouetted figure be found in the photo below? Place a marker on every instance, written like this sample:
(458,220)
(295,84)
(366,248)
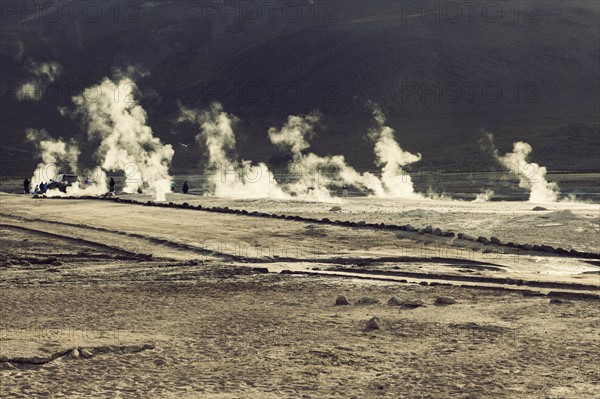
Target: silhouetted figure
(36,190)
(186,187)
(112,185)
(173,187)
(344,190)
(26,186)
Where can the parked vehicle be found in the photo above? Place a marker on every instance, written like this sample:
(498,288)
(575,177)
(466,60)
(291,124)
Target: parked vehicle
(63,181)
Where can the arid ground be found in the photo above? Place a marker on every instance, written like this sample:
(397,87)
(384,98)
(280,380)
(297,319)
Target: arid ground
(106,299)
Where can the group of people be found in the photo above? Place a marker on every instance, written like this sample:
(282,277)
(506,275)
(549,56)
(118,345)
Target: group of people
(43,187)
(184,189)
(39,188)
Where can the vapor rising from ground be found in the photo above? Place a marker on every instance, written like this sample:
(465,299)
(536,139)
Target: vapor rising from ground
(234,178)
(116,127)
(126,142)
(531,175)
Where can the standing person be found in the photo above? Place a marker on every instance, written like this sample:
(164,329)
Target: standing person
(112,186)
(26,186)
(173,187)
(36,190)
(186,187)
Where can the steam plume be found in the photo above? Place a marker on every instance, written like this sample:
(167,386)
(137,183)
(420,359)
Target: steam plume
(56,155)
(531,175)
(59,156)
(237,179)
(484,196)
(126,142)
(392,158)
(315,174)
(44,74)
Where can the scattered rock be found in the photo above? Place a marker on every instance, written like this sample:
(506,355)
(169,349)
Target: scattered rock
(396,301)
(75,354)
(7,366)
(375,323)
(335,209)
(533,293)
(412,303)
(86,353)
(409,227)
(367,301)
(484,241)
(547,248)
(557,301)
(539,208)
(495,240)
(424,283)
(341,301)
(56,263)
(445,300)
(463,236)
(437,232)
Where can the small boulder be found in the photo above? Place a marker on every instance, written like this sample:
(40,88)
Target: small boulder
(557,301)
(495,240)
(86,353)
(75,354)
(375,323)
(341,301)
(335,209)
(7,366)
(395,301)
(408,303)
(462,236)
(484,241)
(539,208)
(367,301)
(445,300)
(437,232)
(547,248)
(412,303)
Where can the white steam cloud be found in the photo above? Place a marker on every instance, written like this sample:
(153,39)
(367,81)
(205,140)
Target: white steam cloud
(116,126)
(44,74)
(392,158)
(233,178)
(58,156)
(315,174)
(531,175)
(485,196)
(126,142)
